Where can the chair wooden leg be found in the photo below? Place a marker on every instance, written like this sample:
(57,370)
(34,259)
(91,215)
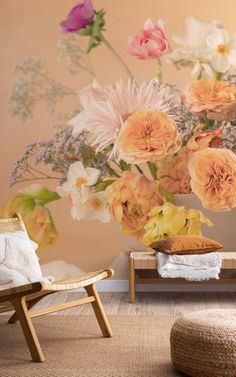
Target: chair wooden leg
(99,311)
(28,329)
(30,305)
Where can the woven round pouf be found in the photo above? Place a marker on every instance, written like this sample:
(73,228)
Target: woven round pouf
(203,344)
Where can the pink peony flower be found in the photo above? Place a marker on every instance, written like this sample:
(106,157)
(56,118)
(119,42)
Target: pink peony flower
(150,42)
(175,171)
(79,17)
(130,199)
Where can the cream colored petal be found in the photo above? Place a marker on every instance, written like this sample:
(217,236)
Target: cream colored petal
(221,36)
(76,170)
(92,175)
(220,63)
(65,189)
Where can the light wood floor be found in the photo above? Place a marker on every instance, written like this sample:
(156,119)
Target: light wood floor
(147,303)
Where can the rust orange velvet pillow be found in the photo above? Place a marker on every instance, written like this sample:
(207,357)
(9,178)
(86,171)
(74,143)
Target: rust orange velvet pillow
(186,245)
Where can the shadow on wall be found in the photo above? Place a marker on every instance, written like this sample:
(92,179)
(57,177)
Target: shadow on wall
(60,269)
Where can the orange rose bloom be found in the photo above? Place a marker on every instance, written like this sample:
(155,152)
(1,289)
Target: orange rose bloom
(148,136)
(213,178)
(216,99)
(130,199)
(178,180)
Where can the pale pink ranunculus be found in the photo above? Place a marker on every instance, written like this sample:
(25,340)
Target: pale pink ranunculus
(150,42)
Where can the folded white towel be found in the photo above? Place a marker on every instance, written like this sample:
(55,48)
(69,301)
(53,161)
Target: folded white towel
(191,267)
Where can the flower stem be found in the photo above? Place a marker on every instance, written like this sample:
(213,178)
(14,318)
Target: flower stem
(158,73)
(118,58)
(208,123)
(139,169)
(218,75)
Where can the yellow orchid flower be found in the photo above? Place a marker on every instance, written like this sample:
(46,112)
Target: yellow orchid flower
(169,220)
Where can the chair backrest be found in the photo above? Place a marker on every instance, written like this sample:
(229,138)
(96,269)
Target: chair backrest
(12,225)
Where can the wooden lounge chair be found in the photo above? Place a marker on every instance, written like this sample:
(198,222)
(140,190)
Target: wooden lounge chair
(24,297)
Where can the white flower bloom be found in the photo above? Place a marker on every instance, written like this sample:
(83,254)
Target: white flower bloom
(182,56)
(221,50)
(195,33)
(95,208)
(89,94)
(203,68)
(105,108)
(193,44)
(68,191)
(79,179)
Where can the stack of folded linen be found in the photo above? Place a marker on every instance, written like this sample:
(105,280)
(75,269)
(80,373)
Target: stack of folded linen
(188,257)
(190,267)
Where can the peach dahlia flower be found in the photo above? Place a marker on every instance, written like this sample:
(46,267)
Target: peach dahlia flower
(130,199)
(213,178)
(148,136)
(216,99)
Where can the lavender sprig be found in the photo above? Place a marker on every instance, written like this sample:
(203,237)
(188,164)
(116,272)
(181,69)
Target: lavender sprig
(58,153)
(229,135)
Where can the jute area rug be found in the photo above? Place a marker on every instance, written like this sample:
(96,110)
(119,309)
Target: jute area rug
(73,347)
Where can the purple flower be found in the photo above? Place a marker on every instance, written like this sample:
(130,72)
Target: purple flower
(79,17)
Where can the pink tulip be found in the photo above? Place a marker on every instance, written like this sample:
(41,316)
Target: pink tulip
(150,42)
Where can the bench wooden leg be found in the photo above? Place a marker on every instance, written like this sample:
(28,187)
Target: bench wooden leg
(99,311)
(28,329)
(131,281)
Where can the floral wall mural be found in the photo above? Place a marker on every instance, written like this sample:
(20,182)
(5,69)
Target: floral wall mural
(146,113)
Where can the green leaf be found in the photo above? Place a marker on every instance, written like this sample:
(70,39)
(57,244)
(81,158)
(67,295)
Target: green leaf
(169,196)
(27,205)
(153,169)
(124,166)
(111,171)
(96,29)
(39,193)
(163,176)
(103,185)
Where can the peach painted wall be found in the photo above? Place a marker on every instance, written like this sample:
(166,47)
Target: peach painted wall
(30,28)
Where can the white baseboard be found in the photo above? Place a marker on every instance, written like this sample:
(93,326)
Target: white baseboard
(123,286)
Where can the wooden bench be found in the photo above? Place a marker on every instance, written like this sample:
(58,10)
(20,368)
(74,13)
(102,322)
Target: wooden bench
(143,264)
